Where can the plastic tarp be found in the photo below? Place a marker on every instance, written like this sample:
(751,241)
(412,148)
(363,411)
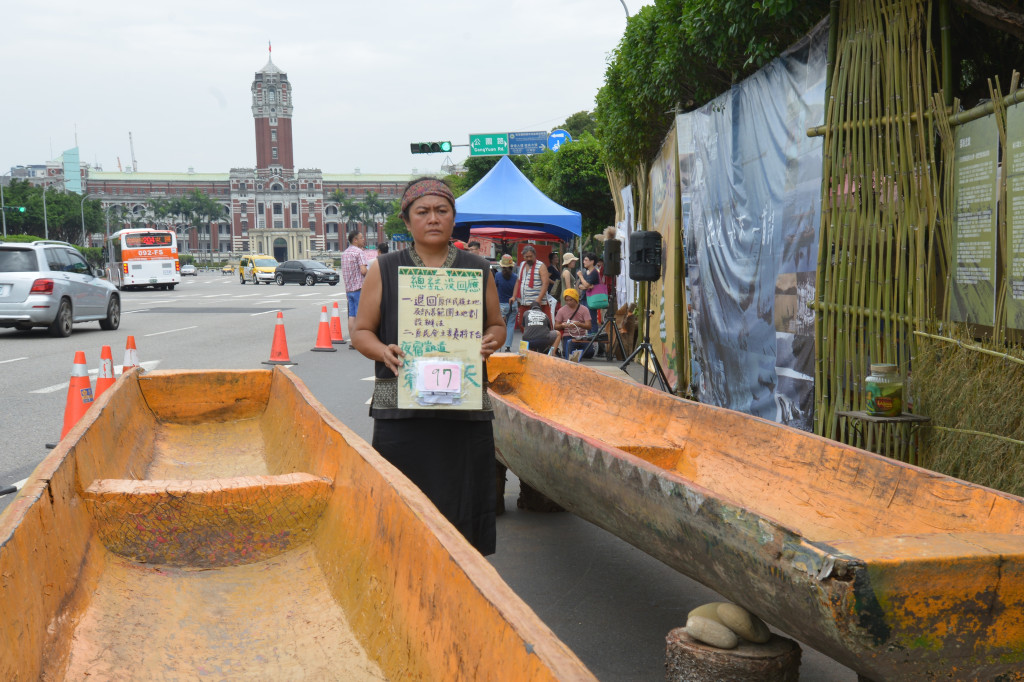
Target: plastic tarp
(505,197)
(750,190)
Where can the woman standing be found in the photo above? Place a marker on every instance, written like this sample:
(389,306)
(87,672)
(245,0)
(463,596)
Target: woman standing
(589,277)
(449,454)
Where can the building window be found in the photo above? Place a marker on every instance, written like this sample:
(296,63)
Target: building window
(312,225)
(295,223)
(273,153)
(245,224)
(295,208)
(273,135)
(260,208)
(278,209)
(245,208)
(278,224)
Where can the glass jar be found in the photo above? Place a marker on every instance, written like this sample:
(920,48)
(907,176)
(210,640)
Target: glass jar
(885,391)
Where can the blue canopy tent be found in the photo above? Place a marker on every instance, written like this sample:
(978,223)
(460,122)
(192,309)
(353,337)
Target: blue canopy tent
(506,198)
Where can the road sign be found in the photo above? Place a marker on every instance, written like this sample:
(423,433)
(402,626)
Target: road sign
(488,144)
(557,138)
(528,143)
(401,238)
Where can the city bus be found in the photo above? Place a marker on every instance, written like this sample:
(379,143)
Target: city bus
(141,257)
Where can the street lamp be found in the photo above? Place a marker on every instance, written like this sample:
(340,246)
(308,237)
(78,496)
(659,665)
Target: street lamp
(46,225)
(625,8)
(3,211)
(82,207)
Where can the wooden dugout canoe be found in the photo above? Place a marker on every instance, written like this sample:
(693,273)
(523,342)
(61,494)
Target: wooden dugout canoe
(222,524)
(897,572)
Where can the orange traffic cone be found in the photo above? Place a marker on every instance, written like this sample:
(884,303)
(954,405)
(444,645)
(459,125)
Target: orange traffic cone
(279,347)
(79,394)
(323,334)
(336,336)
(131,356)
(106,376)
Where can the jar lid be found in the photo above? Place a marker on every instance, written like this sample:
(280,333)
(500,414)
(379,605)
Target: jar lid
(884,368)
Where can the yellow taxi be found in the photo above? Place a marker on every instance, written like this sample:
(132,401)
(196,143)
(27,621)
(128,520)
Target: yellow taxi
(257,269)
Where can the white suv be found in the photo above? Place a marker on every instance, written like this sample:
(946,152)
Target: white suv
(49,284)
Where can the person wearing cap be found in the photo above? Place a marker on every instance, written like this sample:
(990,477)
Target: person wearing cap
(448,454)
(537,331)
(573,322)
(506,282)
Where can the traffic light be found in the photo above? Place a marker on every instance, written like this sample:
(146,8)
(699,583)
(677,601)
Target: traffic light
(430,147)
(17,209)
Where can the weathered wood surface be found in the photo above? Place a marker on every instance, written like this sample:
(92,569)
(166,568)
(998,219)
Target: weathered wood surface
(222,523)
(897,572)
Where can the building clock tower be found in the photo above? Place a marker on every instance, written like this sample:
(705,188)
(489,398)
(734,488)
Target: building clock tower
(272,111)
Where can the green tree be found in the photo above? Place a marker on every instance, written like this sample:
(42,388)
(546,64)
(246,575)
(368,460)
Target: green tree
(579,123)
(578,181)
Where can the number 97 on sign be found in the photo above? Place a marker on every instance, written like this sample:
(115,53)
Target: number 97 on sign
(439,377)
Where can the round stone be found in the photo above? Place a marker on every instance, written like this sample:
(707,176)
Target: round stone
(709,611)
(711,632)
(743,623)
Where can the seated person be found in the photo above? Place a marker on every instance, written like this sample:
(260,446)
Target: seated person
(537,331)
(573,322)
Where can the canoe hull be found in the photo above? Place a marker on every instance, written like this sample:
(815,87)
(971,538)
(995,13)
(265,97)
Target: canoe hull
(294,551)
(950,605)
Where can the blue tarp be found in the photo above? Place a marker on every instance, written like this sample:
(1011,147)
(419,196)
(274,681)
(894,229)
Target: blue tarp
(505,197)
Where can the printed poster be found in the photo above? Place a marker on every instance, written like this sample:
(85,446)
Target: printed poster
(665,292)
(975,162)
(440,329)
(1014,164)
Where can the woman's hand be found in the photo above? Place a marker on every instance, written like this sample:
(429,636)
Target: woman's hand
(489,344)
(392,357)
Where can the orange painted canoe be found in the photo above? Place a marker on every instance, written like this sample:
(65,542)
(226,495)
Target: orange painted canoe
(897,572)
(224,525)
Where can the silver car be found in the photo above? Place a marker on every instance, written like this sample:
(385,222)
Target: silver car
(49,284)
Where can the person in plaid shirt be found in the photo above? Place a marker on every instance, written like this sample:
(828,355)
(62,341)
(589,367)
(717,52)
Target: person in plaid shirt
(353,271)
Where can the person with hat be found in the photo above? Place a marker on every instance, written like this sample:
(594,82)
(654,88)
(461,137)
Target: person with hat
(448,454)
(572,322)
(506,281)
(568,274)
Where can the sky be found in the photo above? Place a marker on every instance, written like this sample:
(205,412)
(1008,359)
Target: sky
(368,77)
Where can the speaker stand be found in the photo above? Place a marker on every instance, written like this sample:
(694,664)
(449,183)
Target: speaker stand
(648,350)
(609,321)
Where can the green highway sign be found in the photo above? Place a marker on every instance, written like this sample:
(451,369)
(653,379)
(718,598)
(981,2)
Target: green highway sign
(488,144)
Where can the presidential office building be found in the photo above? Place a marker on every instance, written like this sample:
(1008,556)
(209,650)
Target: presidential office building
(273,208)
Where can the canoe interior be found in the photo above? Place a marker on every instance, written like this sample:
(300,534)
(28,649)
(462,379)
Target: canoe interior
(897,572)
(823,490)
(223,524)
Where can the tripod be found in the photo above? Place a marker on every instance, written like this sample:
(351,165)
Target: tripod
(648,350)
(609,321)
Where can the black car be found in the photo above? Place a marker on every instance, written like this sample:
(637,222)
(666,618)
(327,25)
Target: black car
(304,272)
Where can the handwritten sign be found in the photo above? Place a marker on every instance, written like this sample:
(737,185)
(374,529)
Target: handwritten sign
(440,329)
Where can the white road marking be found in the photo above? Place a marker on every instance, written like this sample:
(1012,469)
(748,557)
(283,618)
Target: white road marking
(264,312)
(368,401)
(171,331)
(12,360)
(140,310)
(151,364)
(368,378)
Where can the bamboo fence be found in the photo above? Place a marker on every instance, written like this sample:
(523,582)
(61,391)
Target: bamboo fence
(885,263)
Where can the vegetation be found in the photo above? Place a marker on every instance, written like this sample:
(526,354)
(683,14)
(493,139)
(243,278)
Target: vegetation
(678,55)
(369,210)
(63,215)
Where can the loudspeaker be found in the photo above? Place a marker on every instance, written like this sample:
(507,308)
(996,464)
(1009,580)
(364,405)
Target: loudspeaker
(612,258)
(644,256)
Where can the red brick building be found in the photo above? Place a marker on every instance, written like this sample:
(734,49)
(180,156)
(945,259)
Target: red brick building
(272,208)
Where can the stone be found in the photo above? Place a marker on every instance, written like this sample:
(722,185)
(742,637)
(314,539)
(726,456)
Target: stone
(711,632)
(709,610)
(743,623)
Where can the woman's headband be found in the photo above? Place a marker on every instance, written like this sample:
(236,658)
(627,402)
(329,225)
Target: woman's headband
(426,188)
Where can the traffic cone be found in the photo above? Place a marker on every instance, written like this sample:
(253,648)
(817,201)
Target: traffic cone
(279,347)
(131,356)
(79,394)
(106,376)
(337,337)
(323,334)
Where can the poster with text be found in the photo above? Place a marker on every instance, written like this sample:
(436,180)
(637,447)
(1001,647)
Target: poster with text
(975,162)
(440,329)
(1014,163)
(665,292)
